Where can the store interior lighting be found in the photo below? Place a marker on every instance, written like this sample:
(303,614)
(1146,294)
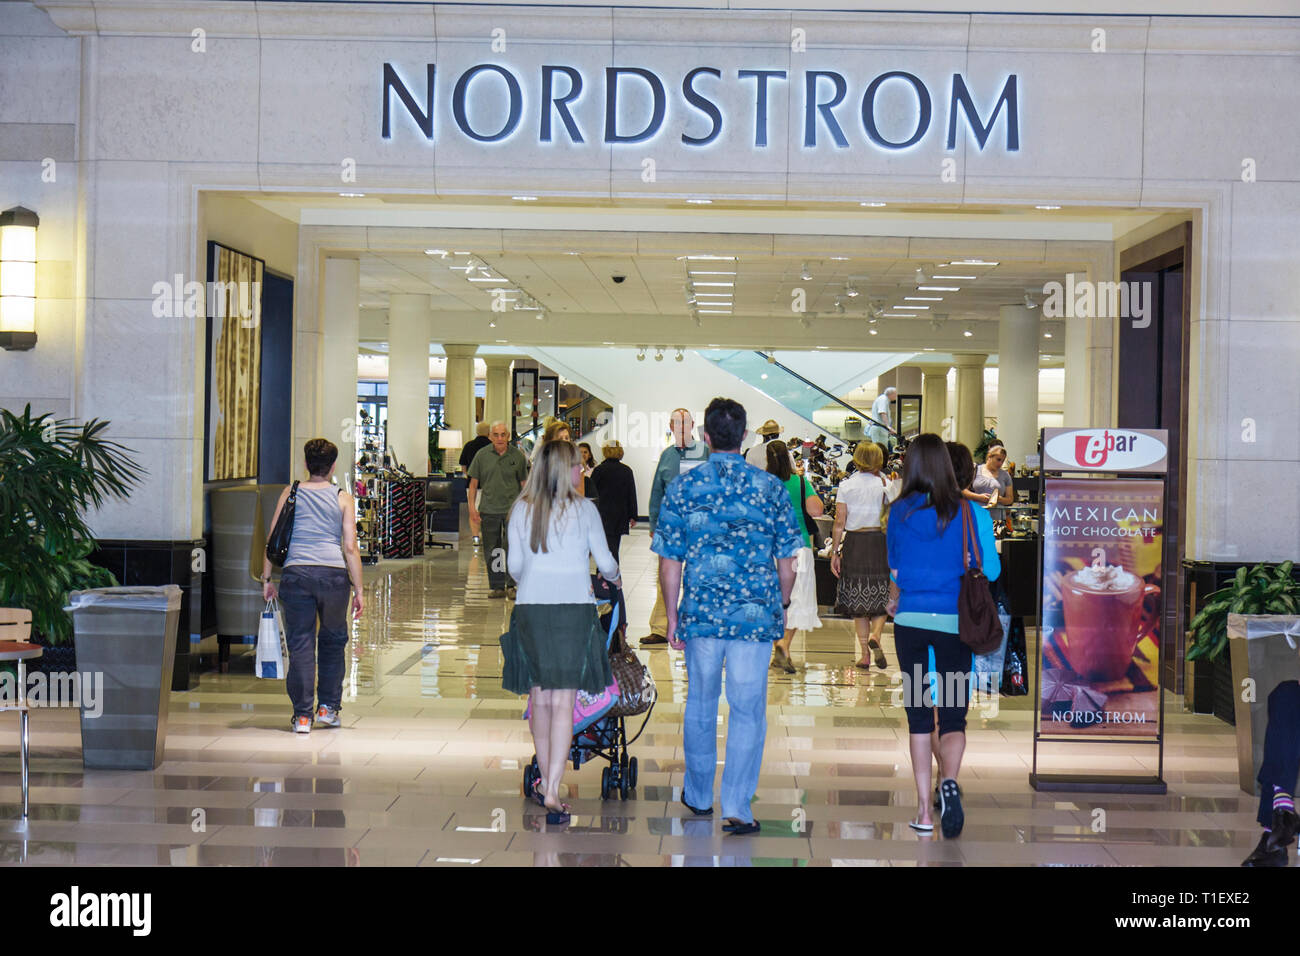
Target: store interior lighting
(851,290)
(804,273)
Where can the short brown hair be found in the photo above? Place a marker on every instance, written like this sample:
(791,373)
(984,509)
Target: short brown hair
(320,454)
(867,456)
(612,449)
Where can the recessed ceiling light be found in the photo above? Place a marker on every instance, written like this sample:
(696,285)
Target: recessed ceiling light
(821,348)
(524,198)
(872,332)
(606,343)
(971,262)
(1047,207)
(700,202)
(951,278)
(436,252)
(851,290)
(804,274)
(968,331)
(727,285)
(706,258)
(927,350)
(839,258)
(922,298)
(1047,335)
(873,205)
(353,195)
(912,308)
(711,272)
(763,375)
(715,311)
(938,288)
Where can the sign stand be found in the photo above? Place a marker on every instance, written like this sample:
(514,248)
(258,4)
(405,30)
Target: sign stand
(1102,494)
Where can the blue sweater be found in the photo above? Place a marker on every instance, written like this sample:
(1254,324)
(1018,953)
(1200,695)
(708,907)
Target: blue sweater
(927,564)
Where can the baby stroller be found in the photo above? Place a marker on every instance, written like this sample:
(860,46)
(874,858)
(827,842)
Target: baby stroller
(606,735)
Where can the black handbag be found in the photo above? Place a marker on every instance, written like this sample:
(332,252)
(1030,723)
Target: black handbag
(808,523)
(978,625)
(277,542)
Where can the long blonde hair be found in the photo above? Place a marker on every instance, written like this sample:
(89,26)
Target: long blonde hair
(549,489)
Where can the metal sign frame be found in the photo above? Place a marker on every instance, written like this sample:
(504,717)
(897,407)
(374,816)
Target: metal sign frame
(1096,783)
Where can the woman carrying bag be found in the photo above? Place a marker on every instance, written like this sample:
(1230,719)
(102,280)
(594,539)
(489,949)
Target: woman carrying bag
(555,646)
(801,615)
(321,568)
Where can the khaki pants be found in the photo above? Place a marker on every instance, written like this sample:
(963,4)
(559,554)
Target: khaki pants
(659,616)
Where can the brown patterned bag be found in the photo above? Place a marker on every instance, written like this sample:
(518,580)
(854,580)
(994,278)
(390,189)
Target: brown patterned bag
(636,688)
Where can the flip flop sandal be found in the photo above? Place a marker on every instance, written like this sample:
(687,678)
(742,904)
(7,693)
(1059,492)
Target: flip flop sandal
(706,812)
(740,827)
(921,827)
(557,818)
(878,656)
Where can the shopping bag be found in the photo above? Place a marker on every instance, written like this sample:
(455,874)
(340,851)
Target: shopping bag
(271,652)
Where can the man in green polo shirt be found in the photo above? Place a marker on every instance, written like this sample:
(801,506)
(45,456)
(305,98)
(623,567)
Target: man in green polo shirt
(499,470)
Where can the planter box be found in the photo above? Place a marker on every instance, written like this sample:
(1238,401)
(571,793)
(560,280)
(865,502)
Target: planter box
(1261,652)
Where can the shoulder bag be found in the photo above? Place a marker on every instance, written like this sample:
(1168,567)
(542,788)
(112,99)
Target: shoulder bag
(277,543)
(809,525)
(978,625)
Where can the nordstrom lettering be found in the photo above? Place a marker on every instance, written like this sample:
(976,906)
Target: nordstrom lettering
(492,103)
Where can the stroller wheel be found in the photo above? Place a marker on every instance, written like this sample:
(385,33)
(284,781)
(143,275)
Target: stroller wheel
(631,773)
(605,787)
(624,788)
(530,781)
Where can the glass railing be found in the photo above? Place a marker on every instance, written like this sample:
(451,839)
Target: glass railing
(784,385)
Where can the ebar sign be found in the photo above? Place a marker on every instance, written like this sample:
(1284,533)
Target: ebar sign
(1106,449)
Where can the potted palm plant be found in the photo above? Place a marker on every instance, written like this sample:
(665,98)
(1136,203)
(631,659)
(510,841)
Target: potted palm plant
(52,472)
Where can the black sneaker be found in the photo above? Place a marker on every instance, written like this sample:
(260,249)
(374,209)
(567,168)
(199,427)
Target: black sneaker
(950,811)
(1265,854)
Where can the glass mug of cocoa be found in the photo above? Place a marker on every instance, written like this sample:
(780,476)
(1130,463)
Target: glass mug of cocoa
(1103,620)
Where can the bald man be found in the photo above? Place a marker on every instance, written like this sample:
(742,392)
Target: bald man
(682,455)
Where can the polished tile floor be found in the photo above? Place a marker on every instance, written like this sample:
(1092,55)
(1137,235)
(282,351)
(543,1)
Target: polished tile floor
(427,768)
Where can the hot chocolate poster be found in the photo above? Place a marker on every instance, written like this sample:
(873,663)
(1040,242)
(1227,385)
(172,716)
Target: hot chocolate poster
(1099,668)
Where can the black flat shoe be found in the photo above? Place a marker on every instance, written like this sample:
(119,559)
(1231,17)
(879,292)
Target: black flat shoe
(952,816)
(706,812)
(740,827)
(558,818)
(653,639)
(1266,855)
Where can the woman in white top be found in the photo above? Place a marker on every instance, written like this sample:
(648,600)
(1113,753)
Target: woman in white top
(859,557)
(555,645)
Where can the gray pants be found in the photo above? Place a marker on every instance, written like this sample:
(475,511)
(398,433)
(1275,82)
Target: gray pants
(494,550)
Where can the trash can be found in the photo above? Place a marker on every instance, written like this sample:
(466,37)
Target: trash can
(126,647)
(1262,648)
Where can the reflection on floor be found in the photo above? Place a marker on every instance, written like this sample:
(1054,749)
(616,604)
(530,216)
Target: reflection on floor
(427,767)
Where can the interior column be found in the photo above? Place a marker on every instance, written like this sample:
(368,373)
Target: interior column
(1018,334)
(340,320)
(970,398)
(496,407)
(408,381)
(459,398)
(934,397)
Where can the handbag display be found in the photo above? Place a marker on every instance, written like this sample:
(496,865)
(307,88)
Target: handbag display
(277,542)
(978,625)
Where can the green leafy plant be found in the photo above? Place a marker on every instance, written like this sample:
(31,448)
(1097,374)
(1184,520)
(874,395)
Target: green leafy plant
(981,452)
(51,473)
(1263,589)
(436,454)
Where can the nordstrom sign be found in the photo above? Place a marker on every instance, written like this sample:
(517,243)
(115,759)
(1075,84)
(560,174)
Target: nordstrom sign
(493,103)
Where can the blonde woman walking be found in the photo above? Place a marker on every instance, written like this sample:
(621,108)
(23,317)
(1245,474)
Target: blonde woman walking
(555,645)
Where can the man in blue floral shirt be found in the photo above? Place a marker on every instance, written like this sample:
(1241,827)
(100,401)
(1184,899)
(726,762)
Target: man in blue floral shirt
(733,529)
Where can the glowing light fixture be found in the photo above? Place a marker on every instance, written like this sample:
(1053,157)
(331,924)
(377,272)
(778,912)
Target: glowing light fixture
(18,279)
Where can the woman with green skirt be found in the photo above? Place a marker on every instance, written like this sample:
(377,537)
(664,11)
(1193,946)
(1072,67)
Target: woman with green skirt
(555,646)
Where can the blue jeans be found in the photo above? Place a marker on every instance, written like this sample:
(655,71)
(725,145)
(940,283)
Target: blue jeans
(746,663)
(308,592)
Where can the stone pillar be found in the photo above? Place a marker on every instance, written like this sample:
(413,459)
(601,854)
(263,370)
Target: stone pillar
(496,407)
(1018,340)
(408,381)
(458,402)
(970,398)
(340,319)
(934,397)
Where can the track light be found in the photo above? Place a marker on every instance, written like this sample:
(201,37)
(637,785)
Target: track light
(804,273)
(969,331)
(771,358)
(680,356)
(923,273)
(851,290)
(659,355)
(1029,301)
(640,355)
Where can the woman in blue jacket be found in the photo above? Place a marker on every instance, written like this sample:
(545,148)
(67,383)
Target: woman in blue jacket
(925,558)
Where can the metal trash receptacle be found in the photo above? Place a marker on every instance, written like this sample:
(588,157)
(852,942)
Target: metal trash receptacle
(126,646)
(1262,647)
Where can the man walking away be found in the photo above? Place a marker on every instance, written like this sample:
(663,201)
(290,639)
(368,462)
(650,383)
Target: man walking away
(727,539)
(683,454)
(499,470)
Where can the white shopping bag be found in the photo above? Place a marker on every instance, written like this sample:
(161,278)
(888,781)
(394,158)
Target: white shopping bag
(271,651)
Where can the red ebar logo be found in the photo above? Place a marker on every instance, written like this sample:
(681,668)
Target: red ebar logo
(1091,451)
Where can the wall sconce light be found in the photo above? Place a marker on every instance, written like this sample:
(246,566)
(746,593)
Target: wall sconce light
(18,279)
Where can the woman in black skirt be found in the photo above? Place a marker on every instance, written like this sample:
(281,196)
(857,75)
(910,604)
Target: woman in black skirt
(555,646)
(858,557)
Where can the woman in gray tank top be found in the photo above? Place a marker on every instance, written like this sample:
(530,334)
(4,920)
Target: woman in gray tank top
(323,567)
